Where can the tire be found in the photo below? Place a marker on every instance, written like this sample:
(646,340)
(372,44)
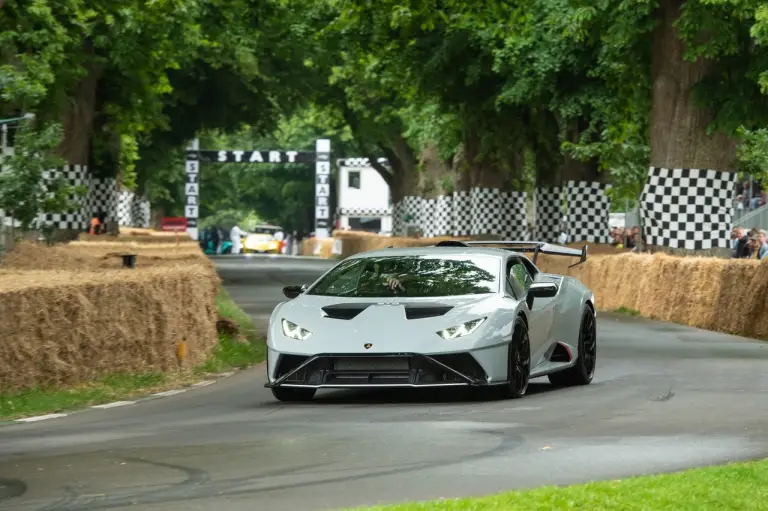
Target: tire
(293,395)
(518,363)
(583,371)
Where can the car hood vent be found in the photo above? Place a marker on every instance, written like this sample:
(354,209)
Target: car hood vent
(345,310)
(349,311)
(426,310)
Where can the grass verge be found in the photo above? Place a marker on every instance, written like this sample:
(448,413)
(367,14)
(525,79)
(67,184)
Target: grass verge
(736,487)
(630,312)
(234,351)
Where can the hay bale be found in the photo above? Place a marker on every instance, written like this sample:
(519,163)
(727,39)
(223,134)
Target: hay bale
(65,328)
(100,255)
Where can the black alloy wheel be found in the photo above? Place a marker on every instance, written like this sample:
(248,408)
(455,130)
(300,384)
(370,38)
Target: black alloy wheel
(583,371)
(519,363)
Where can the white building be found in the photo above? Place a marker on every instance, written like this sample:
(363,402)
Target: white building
(363,199)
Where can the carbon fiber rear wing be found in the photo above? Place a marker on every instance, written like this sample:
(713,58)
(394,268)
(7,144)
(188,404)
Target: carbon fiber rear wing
(534,247)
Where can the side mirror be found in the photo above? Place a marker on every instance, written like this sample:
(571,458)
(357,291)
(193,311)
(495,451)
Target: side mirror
(292,292)
(541,290)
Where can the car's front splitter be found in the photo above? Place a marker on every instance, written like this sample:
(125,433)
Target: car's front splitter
(412,370)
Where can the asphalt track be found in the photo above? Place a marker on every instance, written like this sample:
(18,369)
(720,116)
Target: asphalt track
(665,397)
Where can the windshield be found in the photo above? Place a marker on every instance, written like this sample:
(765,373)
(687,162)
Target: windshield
(414,276)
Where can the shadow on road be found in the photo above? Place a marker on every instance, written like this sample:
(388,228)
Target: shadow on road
(412,396)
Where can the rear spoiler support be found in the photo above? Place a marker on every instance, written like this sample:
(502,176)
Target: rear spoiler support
(536,247)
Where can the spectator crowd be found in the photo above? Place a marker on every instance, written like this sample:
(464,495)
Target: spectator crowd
(752,244)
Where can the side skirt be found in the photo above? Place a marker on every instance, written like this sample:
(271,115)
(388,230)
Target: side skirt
(561,357)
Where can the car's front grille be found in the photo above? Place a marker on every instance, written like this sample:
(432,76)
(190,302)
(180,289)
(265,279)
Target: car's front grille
(388,369)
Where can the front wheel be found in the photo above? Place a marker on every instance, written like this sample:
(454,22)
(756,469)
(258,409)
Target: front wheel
(293,394)
(584,369)
(518,363)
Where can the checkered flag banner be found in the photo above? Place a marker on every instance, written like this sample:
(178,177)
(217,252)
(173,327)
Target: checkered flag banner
(589,209)
(462,213)
(687,208)
(549,211)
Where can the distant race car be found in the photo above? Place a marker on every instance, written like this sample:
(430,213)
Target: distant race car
(454,314)
(264,239)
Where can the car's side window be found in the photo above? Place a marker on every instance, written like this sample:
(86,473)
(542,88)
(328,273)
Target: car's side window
(519,273)
(513,288)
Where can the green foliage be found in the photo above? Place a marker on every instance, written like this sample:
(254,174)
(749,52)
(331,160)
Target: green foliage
(25,189)
(228,218)
(753,153)
(517,85)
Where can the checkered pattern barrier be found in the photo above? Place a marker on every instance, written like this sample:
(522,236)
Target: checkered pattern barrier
(549,211)
(359,162)
(77,218)
(102,196)
(371,212)
(687,208)
(462,213)
(132,210)
(588,211)
(499,213)
(478,211)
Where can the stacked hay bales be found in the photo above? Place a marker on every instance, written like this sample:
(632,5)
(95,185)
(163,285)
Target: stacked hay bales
(71,313)
(724,295)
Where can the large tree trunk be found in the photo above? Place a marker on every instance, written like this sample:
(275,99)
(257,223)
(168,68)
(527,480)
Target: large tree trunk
(77,122)
(497,207)
(405,165)
(548,192)
(404,185)
(437,203)
(78,119)
(681,148)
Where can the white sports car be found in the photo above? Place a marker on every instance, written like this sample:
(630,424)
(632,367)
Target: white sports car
(454,314)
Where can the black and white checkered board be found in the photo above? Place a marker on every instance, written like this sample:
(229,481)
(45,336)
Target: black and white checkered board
(132,210)
(687,208)
(549,211)
(499,213)
(364,212)
(462,213)
(478,211)
(589,211)
(77,219)
(102,198)
(359,163)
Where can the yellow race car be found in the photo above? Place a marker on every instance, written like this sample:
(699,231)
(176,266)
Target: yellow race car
(264,239)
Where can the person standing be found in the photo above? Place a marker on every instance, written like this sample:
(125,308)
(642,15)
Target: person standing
(235,236)
(215,240)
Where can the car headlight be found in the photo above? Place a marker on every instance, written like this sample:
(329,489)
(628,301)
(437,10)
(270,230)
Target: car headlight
(460,330)
(294,331)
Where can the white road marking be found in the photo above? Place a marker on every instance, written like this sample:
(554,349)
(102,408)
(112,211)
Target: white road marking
(227,374)
(114,405)
(42,417)
(204,383)
(170,392)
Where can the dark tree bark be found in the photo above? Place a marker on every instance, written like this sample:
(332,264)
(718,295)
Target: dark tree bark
(77,121)
(679,137)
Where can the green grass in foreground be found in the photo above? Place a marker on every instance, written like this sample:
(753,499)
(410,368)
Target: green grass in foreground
(737,487)
(230,353)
